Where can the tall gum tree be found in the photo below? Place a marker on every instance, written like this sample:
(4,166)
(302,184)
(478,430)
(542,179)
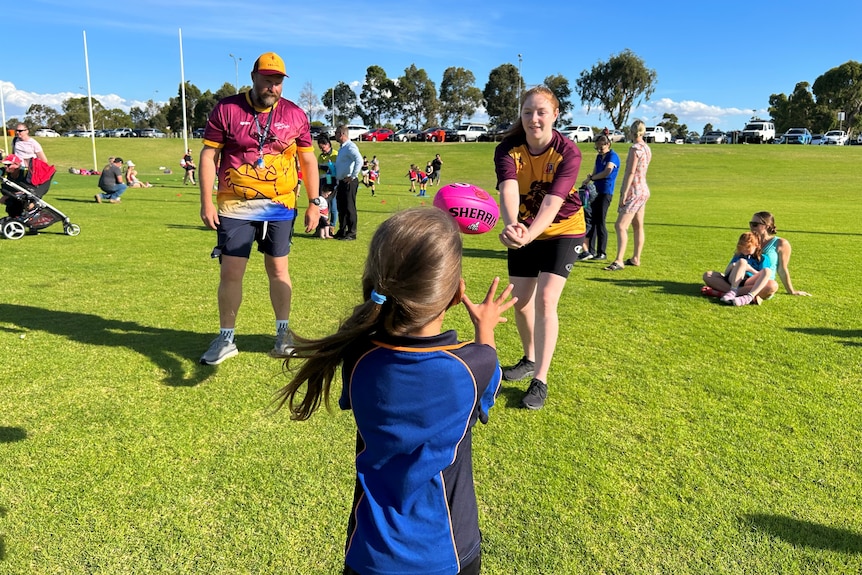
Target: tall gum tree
(616,86)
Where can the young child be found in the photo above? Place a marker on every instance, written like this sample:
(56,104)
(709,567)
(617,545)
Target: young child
(746,262)
(413,174)
(416,392)
(423,182)
(373,176)
(324,229)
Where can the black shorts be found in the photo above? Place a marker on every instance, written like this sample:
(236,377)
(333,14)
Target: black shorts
(235,237)
(555,256)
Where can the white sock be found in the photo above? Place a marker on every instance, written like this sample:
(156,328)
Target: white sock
(227,334)
(281,325)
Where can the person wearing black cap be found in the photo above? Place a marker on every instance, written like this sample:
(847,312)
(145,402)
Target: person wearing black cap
(251,143)
(111,182)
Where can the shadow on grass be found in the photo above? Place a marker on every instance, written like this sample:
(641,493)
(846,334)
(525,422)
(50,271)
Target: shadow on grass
(512,393)
(851,337)
(668,287)
(12,434)
(201,227)
(169,349)
(800,533)
(484,253)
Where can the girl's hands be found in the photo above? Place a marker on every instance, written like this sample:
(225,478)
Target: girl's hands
(486,315)
(515,236)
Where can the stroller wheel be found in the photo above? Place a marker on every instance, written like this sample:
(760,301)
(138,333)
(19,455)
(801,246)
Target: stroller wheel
(72,229)
(13,230)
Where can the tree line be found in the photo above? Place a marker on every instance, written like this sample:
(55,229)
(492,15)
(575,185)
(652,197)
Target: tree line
(615,86)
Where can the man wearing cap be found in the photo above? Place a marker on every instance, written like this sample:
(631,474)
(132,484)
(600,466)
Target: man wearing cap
(26,147)
(252,142)
(111,182)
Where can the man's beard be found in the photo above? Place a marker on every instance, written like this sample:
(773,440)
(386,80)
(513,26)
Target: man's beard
(264,100)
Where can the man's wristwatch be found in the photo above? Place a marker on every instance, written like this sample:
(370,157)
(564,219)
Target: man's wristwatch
(315,201)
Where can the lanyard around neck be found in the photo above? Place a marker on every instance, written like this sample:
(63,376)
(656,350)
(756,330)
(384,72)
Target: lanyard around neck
(262,135)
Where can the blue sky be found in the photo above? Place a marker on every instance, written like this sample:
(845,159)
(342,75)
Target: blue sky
(716,62)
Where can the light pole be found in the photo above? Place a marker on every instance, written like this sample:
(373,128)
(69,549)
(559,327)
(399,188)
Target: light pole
(519,84)
(236,61)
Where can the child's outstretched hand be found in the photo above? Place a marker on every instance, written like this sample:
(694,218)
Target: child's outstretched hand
(488,314)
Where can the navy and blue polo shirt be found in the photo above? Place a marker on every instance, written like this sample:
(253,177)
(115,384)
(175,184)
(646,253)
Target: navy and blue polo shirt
(415,401)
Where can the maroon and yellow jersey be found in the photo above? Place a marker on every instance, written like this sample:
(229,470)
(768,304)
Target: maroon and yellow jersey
(257,172)
(553,171)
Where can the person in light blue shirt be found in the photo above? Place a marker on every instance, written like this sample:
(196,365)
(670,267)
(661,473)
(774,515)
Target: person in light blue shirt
(604,177)
(348,165)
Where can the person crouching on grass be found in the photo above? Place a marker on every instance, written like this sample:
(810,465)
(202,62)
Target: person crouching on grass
(414,508)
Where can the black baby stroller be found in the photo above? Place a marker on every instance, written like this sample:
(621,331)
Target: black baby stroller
(25,206)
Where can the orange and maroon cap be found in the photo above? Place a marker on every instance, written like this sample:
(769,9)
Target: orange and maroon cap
(269,64)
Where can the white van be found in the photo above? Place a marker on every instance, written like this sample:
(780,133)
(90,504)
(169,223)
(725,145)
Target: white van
(758,131)
(355,131)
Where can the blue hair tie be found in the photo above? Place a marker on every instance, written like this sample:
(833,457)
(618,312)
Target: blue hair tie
(377,298)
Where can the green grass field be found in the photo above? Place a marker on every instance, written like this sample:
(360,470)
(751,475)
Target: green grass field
(680,436)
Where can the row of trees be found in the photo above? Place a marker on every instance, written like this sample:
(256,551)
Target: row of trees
(615,87)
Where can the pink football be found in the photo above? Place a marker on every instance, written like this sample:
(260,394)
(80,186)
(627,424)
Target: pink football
(473,209)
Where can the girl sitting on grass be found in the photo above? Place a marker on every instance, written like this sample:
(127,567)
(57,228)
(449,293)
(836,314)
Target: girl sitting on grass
(416,392)
(746,261)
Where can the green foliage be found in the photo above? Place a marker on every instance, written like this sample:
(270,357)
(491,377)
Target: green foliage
(345,104)
(680,436)
(617,86)
(502,94)
(459,97)
(671,124)
(378,98)
(799,110)
(559,86)
(41,116)
(417,98)
(840,89)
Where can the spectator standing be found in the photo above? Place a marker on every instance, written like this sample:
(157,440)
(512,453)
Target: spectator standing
(111,182)
(251,142)
(326,168)
(436,166)
(348,166)
(26,147)
(189,167)
(603,177)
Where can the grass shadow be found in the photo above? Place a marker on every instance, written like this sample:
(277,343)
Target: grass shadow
(847,335)
(484,253)
(511,395)
(800,533)
(167,348)
(12,434)
(668,287)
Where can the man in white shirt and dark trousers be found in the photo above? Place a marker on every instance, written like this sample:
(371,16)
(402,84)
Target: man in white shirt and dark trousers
(348,165)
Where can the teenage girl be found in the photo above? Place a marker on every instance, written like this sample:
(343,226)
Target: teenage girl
(416,392)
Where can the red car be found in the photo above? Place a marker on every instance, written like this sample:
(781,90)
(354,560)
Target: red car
(434,135)
(378,135)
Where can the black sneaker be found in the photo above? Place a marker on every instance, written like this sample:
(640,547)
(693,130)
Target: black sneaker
(584,256)
(599,257)
(524,368)
(536,394)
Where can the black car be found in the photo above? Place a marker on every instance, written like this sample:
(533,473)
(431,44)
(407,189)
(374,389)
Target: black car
(198,132)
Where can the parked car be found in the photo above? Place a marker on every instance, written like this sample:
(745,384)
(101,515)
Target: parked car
(657,134)
(83,133)
(377,135)
(199,133)
(46,133)
(496,133)
(713,137)
(578,133)
(617,136)
(758,131)
(150,133)
(834,138)
(355,131)
(318,130)
(104,133)
(121,133)
(435,134)
(816,139)
(406,135)
(692,138)
(466,133)
(797,136)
